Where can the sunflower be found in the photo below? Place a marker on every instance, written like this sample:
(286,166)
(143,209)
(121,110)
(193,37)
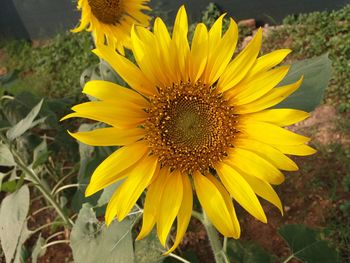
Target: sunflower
(193,119)
(111,20)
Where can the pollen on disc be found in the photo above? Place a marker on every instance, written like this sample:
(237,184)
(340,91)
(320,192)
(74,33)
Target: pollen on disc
(190,127)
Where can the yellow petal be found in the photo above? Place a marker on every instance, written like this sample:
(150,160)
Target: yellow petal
(220,57)
(264,190)
(213,204)
(240,66)
(229,205)
(215,33)
(185,212)
(269,153)
(267,62)
(130,190)
(145,50)
(169,205)
(248,91)
(241,191)
(127,70)
(110,91)
(180,41)
(109,136)
(269,133)
(270,99)
(254,165)
(280,117)
(112,168)
(301,150)
(115,114)
(199,52)
(151,206)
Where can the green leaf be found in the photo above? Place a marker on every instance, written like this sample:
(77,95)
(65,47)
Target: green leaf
(317,73)
(92,242)
(149,249)
(40,154)
(23,125)
(6,157)
(247,252)
(9,186)
(107,193)
(306,245)
(13,229)
(38,251)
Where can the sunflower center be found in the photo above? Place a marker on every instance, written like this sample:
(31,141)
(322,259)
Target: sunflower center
(107,11)
(190,127)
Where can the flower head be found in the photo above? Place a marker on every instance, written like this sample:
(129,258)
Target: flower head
(111,20)
(194,119)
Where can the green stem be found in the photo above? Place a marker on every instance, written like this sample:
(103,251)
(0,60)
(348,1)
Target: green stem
(37,182)
(216,246)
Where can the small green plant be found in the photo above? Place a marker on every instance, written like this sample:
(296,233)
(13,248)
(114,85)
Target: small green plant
(53,68)
(313,34)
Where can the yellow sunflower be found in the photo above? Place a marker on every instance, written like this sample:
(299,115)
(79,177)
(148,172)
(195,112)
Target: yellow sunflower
(194,119)
(111,20)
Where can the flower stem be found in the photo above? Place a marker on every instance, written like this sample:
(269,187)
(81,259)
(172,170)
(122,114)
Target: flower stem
(37,182)
(216,246)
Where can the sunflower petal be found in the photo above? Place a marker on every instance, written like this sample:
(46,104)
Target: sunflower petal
(239,67)
(273,97)
(248,91)
(130,190)
(214,205)
(110,91)
(199,52)
(185,212)
(264,190)
(126,69)
(269,153)
(112,168)
(267,62)
(269,133)
(220,57)
(280,117)
(254,165)
(229,205)
(241,191)
(151,206)
(169,205)
(301,149)
(109,136)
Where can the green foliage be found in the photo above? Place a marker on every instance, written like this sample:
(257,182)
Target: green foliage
(52,69)
(313,34)
(306,245)
(92,242)
(248,252)
(23,125)
(316,72)
(149,249)
(13,224)
(6,157)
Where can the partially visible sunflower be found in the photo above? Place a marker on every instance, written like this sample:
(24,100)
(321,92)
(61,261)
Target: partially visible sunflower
(194,118)
(111,20)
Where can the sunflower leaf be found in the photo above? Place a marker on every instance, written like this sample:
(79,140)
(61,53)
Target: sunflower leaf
(6,157)
(13,228)
(247,252)
(306,245)
(317,73)
(92,242)
(149,249)
(23,125)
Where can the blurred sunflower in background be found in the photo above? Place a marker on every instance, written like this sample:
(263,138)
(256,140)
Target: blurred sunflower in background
(194,119)
(111,20)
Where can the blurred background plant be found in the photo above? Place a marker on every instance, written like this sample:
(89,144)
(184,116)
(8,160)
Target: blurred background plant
(43,171)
